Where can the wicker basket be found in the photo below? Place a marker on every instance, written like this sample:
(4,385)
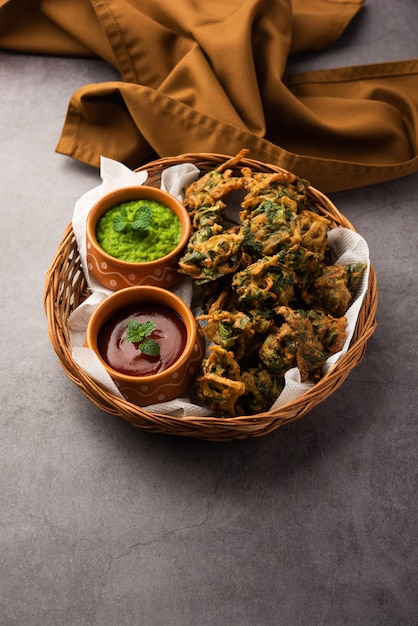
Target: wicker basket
(65,289)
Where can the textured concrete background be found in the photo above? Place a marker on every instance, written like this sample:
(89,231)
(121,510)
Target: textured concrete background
(104,525)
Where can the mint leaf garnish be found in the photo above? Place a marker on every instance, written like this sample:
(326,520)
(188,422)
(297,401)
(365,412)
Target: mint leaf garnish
(150,347)
(142,218)
(140,334)
(139,223)
(136,331)
(120,220)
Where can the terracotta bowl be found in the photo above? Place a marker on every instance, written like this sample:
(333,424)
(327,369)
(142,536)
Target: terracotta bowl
(115,273)
(164,385)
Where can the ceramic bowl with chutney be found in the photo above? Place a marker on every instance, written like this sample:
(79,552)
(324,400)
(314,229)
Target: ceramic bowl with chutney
(148,340)
(135,236)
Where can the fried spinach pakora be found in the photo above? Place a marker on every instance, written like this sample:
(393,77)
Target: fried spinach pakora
(219,383)
(209,257)
(232,330)
(305,340)
(261,390)
(333,290)
(240,332)
(271,227)
(267,283)
(277,188)
(224,388)
(271,299)
(266,225)
(204,197)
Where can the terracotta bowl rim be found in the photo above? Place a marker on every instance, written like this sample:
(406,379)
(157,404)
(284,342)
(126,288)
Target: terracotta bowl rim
(95,213)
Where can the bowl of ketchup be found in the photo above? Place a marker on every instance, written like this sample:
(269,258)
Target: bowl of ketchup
(148,340)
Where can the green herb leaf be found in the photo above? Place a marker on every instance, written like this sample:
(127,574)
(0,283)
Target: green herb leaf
(142,218)
(225,331)
(140,334)
(150,347)
(120,220)
(133,332)
(136,332)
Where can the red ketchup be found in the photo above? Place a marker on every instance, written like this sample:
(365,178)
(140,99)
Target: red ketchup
(125,356)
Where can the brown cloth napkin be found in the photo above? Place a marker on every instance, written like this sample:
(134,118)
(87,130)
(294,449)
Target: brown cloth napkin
(210,77)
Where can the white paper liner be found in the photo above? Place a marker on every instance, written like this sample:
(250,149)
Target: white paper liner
(348,247)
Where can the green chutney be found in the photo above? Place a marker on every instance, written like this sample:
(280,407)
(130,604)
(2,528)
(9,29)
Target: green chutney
(159,238)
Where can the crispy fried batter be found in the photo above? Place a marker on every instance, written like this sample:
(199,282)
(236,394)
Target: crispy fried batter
(304,341)
(330,331)
(306,264)
(230,330)
(261,390)
(267,283)
(332,291)
(206,260)
(314,230)
(235,330)
(203,198)
(250,277)
(273,187)
(219,383)
(272,227)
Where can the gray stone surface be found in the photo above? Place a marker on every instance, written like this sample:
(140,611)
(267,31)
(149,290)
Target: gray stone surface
(103,525)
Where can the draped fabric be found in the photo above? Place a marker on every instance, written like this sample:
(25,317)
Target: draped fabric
(211,77)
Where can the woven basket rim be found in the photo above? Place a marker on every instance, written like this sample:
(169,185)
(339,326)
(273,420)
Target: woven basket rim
(65,287)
